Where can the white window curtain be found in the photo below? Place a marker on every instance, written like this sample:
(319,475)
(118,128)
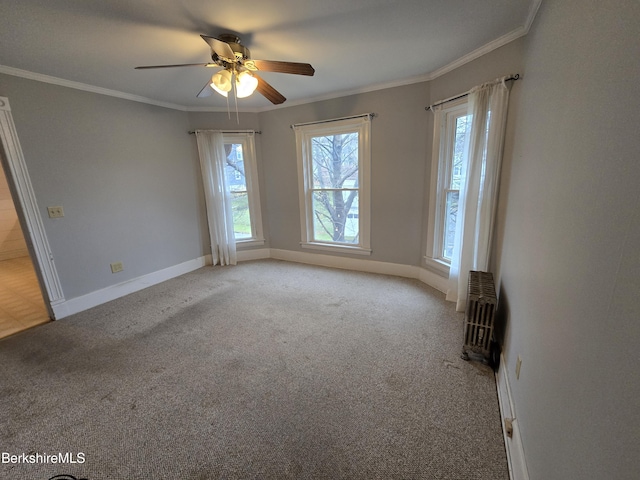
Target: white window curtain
(213,160)
(479,189)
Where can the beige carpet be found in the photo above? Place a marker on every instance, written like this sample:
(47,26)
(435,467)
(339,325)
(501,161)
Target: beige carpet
(267,370)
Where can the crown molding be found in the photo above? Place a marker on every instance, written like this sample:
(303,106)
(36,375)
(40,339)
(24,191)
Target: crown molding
(493,45)
(533,11)
(345,93)
(39,77)
(489,47)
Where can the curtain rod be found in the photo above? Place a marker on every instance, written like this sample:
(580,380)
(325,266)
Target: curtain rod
(192,132)
(462,95)
(370,115)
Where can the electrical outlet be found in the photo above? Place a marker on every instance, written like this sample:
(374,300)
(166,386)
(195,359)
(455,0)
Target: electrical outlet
(116,267)
(55,212)
(518,365)
(508,426)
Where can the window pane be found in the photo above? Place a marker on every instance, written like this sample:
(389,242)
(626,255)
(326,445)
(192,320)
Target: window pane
(335,216)
(237,182)
(335,161)
(451,215)
(463,124)
(241,219)
(234,170)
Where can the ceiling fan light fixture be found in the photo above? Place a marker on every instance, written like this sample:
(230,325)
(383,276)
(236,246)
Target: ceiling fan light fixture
(221,82)
(246,84)
(235,60)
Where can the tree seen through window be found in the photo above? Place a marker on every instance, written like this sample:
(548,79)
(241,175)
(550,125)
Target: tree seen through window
(335,188)
(237,182)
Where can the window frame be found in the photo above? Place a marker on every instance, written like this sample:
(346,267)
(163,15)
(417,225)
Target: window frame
(251,180)
(304,135)
(444,134)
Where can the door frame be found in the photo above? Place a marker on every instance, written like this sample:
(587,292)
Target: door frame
(28,213)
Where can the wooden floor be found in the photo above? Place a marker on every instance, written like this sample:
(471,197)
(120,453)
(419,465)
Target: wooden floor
(21,303)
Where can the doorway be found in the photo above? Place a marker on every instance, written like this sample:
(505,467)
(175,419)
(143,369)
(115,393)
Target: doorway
(39,261)
(22,305)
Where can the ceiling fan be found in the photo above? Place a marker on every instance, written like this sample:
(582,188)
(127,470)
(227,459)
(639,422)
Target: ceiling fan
(239,69)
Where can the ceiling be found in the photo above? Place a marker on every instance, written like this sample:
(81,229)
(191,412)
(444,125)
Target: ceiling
(354,46)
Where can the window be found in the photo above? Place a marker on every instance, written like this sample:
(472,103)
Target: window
(242,178)
(333,169)
(451,128)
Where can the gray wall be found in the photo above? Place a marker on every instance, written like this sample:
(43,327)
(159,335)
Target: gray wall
(570,262)
(568,228)
(125,174)
(398,151)
(128,177)
(401,142)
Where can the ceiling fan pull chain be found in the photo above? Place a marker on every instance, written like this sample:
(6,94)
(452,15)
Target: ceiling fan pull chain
(235,97)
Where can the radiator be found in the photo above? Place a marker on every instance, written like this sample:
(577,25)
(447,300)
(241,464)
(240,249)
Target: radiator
(480,315)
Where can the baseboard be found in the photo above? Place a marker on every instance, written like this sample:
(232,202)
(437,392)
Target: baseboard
(93,299)
(253,254)
(433,280)
(513,444)
(346,263)
(363,265)
(65,308)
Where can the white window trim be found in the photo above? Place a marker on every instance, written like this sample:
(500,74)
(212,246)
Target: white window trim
(253,191)
(304,134)
(440,165)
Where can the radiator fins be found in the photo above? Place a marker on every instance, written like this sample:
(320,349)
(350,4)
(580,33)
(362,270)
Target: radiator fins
(480,315)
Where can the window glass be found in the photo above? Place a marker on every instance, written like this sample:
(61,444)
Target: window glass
(242,180)
(451,192)
(451,130)
(333,161)
(237,182)
(335,188)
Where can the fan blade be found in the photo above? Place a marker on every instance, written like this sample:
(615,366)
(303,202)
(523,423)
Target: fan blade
(206,90)
(269,92)
(280,67)
(221,48)
(181,65)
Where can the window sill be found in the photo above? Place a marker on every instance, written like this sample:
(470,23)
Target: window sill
(330,247)
(250,242)
(437,266)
